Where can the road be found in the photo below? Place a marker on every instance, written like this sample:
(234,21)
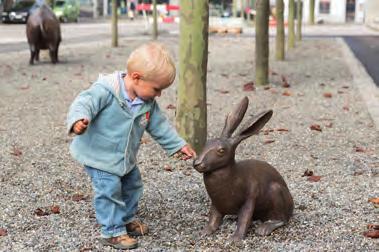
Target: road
(366,49)
(13,37)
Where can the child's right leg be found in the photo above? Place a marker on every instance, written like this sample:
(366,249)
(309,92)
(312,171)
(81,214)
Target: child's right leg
(110,209)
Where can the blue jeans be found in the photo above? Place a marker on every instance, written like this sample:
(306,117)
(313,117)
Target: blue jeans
(115,199)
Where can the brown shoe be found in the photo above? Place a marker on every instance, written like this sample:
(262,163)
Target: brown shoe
(120,242)
(137,228)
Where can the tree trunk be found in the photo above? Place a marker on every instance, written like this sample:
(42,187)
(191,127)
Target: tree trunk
(191,114)
(311,12)
(299,20)
(280,34)
(291,24)
(114,24)
(155,21)
(262,42)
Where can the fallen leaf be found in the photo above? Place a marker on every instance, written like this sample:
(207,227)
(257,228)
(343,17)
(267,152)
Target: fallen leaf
(286,93)
(225,75)
(329,125)
(315,127)
(374,200)
(44,78)
(3,232)
(55,209)
(16,151)
(40,212)
(222,91)
(242,74)
(322,84)
(167,168)
(314,178)
(307,173)
(373,226)
(313,156)
(346,108)
(372,233)
(170,106)
(281,129)
(285,83)
(328,95)
(266,87)
(78,197)
(345,87)
(268,141)
(359,149)
(249,86)
(24,87)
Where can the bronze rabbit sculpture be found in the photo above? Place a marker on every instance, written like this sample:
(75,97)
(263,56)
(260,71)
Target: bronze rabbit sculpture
(250,189)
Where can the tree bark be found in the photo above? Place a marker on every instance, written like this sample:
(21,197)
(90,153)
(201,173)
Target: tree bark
(191,116)
(299,20)
(280,34)
(262,42)
(114,24)
(155,21)
(311,12)
(291,23)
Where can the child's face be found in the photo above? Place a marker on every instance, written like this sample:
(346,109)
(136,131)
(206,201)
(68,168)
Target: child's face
(147,90)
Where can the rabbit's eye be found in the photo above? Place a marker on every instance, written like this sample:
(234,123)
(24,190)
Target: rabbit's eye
(220,151)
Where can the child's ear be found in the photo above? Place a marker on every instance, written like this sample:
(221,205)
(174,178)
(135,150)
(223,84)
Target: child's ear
(136,75)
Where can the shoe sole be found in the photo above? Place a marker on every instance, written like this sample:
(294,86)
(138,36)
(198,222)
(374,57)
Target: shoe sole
(104,242)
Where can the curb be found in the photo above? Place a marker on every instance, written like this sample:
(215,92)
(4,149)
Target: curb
(363,81)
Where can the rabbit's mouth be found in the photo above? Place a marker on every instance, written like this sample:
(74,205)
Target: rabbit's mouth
(199,166)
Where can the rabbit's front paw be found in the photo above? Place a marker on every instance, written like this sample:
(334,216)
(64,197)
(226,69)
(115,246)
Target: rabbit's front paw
(207,231)
(237,237)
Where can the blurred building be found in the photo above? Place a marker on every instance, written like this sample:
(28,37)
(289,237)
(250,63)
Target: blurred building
(372,13)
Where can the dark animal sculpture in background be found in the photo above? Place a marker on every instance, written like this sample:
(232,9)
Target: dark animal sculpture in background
(43,32)
(251,189)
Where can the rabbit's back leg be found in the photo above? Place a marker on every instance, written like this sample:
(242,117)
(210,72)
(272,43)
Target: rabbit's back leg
(268,226)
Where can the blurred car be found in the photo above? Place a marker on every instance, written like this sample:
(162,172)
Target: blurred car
(67,10)
(19,12)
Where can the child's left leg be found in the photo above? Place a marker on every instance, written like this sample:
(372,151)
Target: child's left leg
(132,189)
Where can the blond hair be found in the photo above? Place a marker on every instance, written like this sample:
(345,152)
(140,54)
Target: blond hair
(153,61)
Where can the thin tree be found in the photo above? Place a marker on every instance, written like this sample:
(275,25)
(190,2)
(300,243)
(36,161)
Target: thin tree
(155,21)
(280,34)
(291,24)
(191,114)
(114,24)
(299,20)
(311,12)
(262,42)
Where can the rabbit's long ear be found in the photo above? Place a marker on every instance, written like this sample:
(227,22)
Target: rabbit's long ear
(234,118)
(254,126)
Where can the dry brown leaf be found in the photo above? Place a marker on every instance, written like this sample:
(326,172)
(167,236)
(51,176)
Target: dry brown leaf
(78,197)
(268,141)
(167,168)
(266,88)
(16,151)
(225,75)
(3,232)
(372,233)
(286,93)
(322,84)
(316,127)
(40,212)
(359,149)
(282,129)
(249,86)
(307,173)
(346,87)
(170,106)
(327,95)
(285,83)
(55,209)
(314,178)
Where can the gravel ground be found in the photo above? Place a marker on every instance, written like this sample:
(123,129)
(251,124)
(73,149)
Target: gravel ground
(36,170)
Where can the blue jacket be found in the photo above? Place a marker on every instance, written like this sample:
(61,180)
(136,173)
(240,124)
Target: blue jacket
(113,136)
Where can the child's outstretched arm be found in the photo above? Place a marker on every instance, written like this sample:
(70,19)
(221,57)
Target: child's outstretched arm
(161,130)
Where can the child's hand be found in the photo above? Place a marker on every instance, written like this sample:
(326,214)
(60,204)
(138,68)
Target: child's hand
(80,126)
(187,152)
